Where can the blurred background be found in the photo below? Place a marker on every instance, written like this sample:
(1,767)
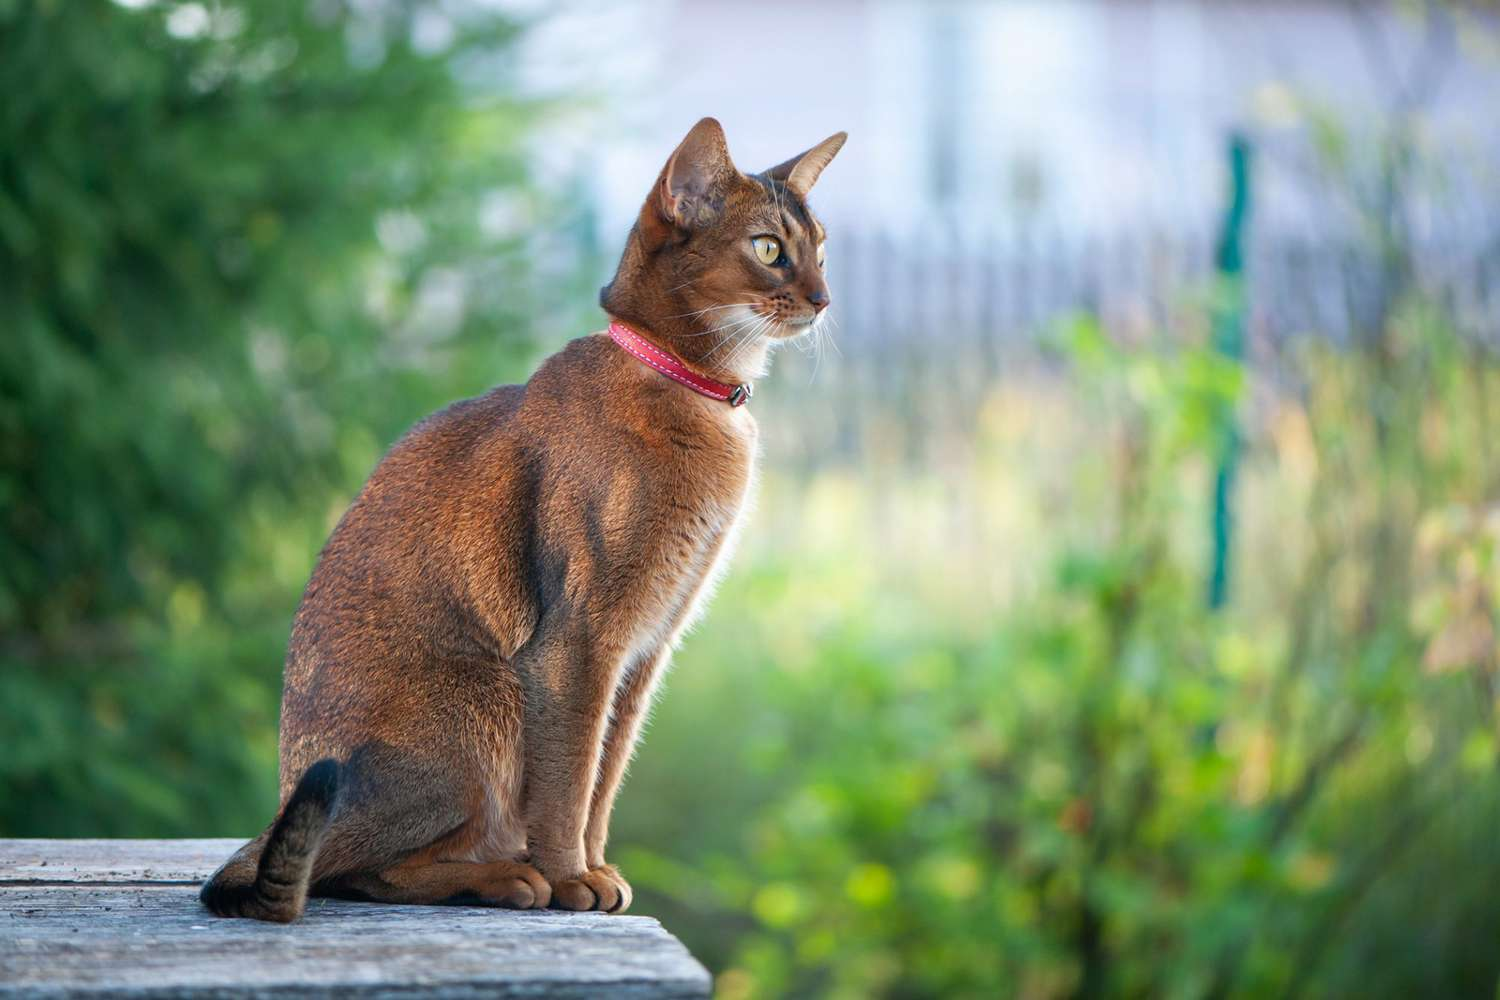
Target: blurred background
(1119,613)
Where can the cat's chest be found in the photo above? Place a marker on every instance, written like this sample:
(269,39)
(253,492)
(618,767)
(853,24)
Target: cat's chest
(703,506)
(675,585)
(703,512)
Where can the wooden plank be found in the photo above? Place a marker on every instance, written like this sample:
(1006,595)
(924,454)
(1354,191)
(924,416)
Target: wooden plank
(29,861)
(113,919)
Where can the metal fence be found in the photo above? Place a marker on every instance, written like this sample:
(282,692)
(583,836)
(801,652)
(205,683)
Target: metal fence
(898,292)
(927,322)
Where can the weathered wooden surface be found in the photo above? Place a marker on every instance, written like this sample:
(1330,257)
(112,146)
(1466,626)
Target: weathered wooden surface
(122,918)
(155,861)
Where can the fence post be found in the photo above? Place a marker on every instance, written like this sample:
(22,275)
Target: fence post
(1229,306)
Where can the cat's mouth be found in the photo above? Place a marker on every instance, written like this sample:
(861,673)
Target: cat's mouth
(797,325)
(777,325)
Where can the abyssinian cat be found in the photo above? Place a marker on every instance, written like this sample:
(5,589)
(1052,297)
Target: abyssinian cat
(475,651)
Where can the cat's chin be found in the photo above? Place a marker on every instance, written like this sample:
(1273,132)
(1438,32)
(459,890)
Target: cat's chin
(790,330)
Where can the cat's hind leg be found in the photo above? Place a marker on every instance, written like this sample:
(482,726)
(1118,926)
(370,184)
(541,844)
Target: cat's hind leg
(425,829)
(389,824)
(510,884)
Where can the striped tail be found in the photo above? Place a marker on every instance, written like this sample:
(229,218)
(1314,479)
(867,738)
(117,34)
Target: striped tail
(279,889)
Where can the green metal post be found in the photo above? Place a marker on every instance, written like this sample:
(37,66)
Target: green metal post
(1229,339)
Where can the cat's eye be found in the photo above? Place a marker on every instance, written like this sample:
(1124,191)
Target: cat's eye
(767,248)
(822,256)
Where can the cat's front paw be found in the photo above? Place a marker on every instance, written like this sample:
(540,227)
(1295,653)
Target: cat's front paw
(602,888)
(516,885)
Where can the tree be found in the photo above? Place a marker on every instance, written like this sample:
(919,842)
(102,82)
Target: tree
(239,253)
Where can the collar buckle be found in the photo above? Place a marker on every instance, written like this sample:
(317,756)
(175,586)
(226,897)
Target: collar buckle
(741,394)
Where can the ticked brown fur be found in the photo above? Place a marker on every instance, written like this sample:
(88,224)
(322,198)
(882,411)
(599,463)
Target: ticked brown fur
(478,645)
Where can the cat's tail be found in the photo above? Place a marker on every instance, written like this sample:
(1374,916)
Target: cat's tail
(277,890)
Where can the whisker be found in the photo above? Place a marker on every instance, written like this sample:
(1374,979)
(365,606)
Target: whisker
(731,330)
(742,321)
(745,336)
(832,342)
(734,340)
(700,312)
(765,324)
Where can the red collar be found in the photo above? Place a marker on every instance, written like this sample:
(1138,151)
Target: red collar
(672,367)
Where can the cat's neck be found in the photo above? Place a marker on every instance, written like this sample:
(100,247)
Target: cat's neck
(716,354)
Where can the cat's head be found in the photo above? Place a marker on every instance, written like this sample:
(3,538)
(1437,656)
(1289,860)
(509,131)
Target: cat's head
(722,264)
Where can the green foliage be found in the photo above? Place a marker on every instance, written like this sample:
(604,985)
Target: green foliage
(869,777)
(238,256)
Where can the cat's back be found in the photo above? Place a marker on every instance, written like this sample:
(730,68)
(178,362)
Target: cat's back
(441,460)
(401,552)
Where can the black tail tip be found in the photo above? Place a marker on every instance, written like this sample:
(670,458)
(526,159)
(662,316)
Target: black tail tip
(319,784)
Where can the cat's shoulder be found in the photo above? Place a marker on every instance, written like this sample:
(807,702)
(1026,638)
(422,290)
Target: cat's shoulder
(489,409)
(578,359)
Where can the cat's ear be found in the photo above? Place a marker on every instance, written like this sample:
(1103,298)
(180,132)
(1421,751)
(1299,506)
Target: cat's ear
(800,173)
(692,186)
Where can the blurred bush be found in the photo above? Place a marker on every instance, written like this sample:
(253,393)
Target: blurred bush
(242,247)
(872,774)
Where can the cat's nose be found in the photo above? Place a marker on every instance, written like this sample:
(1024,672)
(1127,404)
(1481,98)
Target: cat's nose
(818,300)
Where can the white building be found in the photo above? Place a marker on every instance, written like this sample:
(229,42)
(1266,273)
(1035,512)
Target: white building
(1069,115)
